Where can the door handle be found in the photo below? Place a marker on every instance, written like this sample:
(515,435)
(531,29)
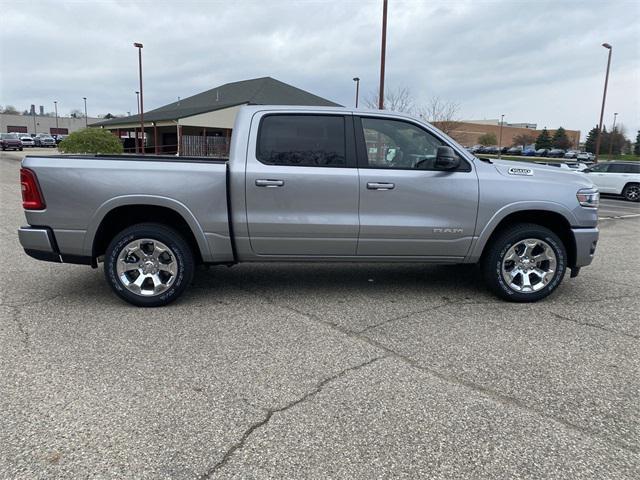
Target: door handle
(269,183)
(380,186)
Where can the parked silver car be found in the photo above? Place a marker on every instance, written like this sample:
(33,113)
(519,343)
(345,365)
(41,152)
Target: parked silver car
(586,157)
(44,140)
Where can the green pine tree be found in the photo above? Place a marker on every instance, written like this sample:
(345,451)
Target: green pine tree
(590,143)
(560,139)
(543,140)
(636,148)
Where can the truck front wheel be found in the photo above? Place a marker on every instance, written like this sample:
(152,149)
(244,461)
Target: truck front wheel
(148,265)
(524,263)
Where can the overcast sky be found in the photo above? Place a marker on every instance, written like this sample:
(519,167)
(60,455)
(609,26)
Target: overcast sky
(534,61)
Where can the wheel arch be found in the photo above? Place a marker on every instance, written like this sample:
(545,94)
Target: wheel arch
(555,221)
(121,212)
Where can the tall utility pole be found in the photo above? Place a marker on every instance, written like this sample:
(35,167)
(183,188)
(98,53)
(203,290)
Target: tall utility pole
(500,141)
(383,54)
(138,107)
(86,121)
(55,106)
(604,97)
(357,80)
(613,130)
(139,47)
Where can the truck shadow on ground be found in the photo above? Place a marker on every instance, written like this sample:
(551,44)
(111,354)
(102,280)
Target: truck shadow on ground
(297,281)
(312,279)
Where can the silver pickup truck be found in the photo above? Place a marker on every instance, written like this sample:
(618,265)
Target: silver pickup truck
(310,184)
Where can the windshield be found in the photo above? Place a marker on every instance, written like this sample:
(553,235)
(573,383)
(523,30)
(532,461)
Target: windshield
(7,136)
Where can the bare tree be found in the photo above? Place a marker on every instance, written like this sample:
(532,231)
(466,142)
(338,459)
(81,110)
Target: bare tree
(10,109)
(524,139)
(442,113)
(396,100)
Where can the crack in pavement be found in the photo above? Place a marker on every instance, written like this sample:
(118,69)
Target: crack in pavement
(271,412)
(31,302)
(447,303)
(595,325)
(24,333)
(496,396)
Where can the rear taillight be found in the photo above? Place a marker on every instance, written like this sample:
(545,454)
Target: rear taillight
(31,195)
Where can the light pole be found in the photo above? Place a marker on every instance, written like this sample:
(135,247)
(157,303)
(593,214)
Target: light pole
(383,54)
(357,80)
(613,130)
(139,47)
(604,97)
(138,107)
(86,121)
(55,106)
(500,141)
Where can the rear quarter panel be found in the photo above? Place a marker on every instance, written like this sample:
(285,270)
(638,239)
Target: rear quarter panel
(79,192)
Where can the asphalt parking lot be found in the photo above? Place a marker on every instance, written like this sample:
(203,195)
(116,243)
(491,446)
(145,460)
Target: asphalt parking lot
(319,371)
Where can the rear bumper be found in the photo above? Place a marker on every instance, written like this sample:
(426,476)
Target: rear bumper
(586,241)
(40,243)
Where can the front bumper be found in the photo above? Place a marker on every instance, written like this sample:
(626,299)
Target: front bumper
(586,241)
(40,243)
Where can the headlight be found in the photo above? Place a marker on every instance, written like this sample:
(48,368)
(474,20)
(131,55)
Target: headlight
(588,197)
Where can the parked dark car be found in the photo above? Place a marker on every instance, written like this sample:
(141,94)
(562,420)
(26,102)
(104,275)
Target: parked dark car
(529,152)
(10,141)
(556,153)
(59,138)
(504,149)
(492,150)
(515,151)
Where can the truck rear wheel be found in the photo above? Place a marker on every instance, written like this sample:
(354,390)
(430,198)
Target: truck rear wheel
(524,263)
(148,265)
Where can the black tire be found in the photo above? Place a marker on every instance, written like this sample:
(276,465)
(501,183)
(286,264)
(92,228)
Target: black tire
(631,192)
(495,252)
(20,149)
(182,254)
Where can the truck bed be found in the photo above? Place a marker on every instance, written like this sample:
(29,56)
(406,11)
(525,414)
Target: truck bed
(81,190)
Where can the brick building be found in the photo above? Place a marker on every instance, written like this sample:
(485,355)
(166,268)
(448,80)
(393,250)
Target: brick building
(468,133)
(32,124)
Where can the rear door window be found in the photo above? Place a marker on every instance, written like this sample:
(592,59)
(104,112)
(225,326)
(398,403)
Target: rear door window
(618,168)
(302,140)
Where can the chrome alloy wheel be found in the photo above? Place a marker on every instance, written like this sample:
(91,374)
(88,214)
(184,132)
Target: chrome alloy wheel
(147,267)
(529,265)
(632,192)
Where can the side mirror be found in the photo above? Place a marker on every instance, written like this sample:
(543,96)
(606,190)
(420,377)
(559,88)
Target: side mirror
(446,159)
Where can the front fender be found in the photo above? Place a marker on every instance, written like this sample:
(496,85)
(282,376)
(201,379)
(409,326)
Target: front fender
(490,226)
